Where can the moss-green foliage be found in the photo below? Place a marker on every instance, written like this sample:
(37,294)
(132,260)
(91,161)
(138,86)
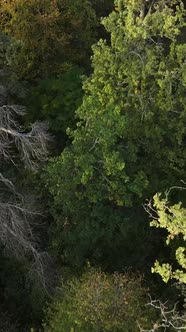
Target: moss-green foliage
(55,101)
(173,219)
(130,139)
(98,302)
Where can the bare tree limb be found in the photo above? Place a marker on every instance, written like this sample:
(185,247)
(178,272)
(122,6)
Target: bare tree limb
(31,148)
(169,318)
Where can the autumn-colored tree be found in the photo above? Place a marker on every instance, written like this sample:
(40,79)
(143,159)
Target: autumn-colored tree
(48,33)
(99,302)
(33,24)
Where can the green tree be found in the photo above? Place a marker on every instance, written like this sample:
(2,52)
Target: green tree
(173,219)
(130,139)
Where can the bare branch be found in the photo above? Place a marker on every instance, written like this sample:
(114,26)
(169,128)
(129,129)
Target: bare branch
(16,144)
(94,144)
(169,318)
(31,146)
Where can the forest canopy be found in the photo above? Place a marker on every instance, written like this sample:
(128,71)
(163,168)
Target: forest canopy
(92,152)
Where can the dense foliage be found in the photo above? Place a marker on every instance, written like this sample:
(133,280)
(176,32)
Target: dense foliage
(60,32)
(55,100)
(108,80)
(114,164)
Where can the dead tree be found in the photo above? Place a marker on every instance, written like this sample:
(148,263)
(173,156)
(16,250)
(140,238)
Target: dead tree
(29,149)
